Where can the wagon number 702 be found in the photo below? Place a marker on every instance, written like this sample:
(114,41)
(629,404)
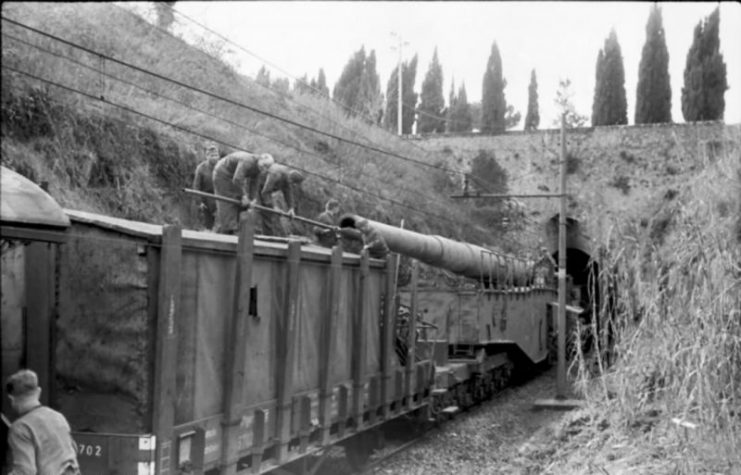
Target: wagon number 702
(89,450)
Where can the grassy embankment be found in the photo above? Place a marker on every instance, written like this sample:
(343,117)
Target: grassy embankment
(671,402)
(99,157)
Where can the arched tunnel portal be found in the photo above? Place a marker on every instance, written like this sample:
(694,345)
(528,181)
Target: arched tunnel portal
(581,269)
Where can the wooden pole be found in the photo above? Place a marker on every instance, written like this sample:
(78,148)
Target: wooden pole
(561,318)
(266,209)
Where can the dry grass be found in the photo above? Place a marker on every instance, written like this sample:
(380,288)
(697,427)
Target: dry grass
(671,403)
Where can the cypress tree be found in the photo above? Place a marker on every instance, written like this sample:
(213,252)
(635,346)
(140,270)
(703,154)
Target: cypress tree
(408,98)
(263,76)
(493,103)
(610,106)
(460,117)
(449,124)
(321,84)
(598,100)
(432,102)
(654,91)
(532,118)
(369,101)
(705,82)
(359,87)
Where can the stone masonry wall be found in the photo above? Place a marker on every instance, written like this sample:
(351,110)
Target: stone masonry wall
(620,169)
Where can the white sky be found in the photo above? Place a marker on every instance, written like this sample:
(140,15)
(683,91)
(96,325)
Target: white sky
(558,39)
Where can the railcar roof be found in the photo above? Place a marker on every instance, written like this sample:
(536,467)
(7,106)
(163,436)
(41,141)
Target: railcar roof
(25,203)
(265,245)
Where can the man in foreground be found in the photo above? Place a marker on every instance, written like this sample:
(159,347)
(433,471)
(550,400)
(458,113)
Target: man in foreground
(40,440)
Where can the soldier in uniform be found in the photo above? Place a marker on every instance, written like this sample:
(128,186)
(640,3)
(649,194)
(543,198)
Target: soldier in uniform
(204,182)
(283,179)
(364,232)
(237,176)
(40,439)
(327,237)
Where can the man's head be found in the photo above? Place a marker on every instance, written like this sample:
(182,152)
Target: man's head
(212,153)
(332,207)
(264,162)
(362,224)
(295,176)
(23,390)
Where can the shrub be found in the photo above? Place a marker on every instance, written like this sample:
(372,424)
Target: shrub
(573,163)
(622,183)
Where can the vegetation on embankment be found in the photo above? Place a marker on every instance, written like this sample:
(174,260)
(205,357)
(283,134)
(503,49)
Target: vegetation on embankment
(129,154)
(671,400)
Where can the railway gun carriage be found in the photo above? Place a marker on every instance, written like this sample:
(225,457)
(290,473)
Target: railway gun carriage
(174,351)
(478,314)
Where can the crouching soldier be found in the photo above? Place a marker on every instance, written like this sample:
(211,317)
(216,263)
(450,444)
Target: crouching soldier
(287,181)
(204,182)
(369,237)
(237,176)
(324,236)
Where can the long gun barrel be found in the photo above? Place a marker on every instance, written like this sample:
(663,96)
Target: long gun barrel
(461,258)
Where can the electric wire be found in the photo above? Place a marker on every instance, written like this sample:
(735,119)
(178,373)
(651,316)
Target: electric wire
(368,119)
(227,100)
(158,95)
(89,51)
(188,131)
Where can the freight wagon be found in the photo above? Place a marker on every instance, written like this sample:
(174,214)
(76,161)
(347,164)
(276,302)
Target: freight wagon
(175,351)
(172,351)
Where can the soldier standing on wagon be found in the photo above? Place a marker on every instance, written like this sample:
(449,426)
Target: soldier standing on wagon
(237,176)
(204,182)
(283,179)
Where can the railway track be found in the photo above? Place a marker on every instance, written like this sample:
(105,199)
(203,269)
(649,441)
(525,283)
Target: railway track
(378,463)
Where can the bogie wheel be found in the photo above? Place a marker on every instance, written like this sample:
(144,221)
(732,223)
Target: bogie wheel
(359,448)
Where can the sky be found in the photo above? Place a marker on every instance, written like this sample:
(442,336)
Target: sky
(557,39)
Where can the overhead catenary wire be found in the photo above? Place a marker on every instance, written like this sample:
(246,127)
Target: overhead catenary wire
(161,96)
(183,129)
(89,51)
(227,100)
(369,120)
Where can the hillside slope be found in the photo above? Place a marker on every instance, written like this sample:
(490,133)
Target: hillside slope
(82,111)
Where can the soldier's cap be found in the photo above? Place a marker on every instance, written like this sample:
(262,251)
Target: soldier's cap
(332,204)
(22,383)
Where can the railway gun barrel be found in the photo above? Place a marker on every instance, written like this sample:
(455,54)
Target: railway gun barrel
(464,259)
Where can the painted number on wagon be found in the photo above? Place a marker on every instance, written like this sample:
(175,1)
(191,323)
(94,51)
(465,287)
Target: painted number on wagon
(89,450)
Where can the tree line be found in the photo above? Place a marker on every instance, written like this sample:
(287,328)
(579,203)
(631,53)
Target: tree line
(702,95)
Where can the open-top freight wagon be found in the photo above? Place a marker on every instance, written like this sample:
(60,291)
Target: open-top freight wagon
(174,351)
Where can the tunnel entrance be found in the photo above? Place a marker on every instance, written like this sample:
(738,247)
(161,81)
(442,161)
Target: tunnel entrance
(582,289)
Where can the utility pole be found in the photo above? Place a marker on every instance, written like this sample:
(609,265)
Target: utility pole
(561,318)
(560,401)
(399,69)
